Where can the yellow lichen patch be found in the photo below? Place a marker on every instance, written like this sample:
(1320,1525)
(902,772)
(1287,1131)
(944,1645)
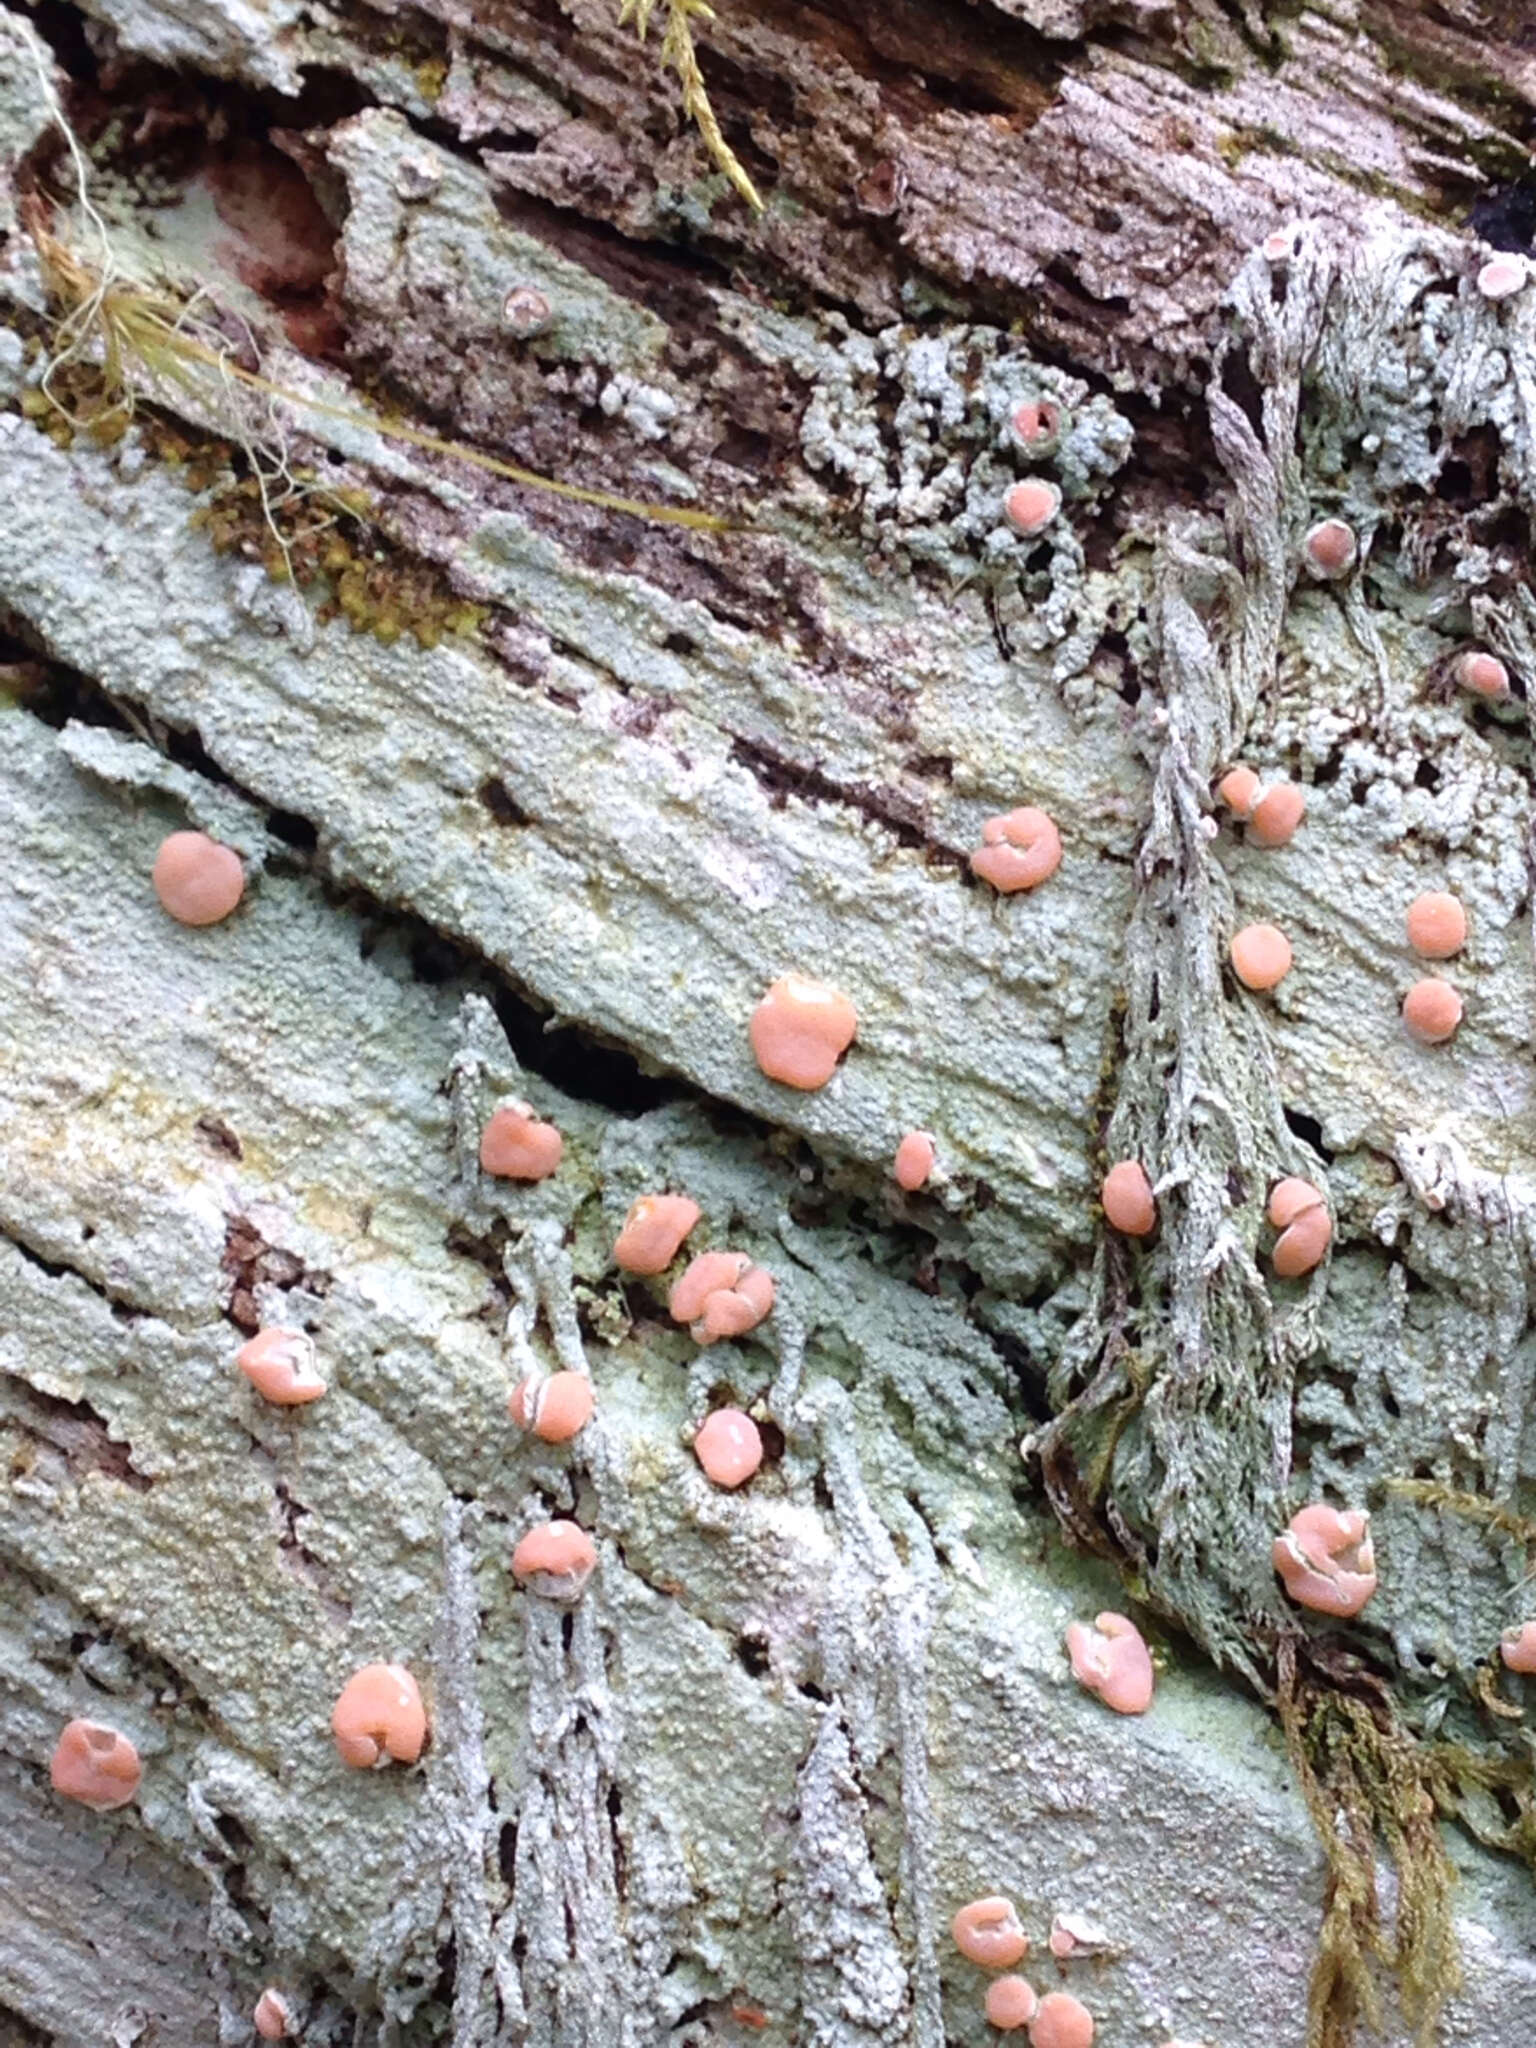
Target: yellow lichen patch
(431,76)
(319,541)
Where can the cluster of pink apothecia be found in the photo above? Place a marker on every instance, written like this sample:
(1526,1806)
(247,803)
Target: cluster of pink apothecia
(380,1717)
(989,1933)
(799,1034)
(1436,929)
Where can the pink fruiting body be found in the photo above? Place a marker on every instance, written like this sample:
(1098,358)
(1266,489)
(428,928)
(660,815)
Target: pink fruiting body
(555,1559)
(1330,548)
(1035,422)
(1325,1559)
(1112,1660)
(1030,506)
(272,2018)
(1061,2021)
(653,1232)
(1289,1197)
(1126,1194)
(95,1765)
(1239,790)
(800,1030)
(379,1713)
(1437,925)
(729,1447)
(1299,1212)
(1431,1011)
(1018,850)
(702,1277)
(1276,814)
(526,311)
(1010,2003)
(197,880)
(721,1294)
(1301,1247)
(1261,956)
(1502,276)
(1483,674)
(1517,1646)
(555,1408)
(987,1931)
(914,1161)
(280,1365)
(517,1144)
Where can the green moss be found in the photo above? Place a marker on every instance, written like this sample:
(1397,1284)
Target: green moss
(321,541)
(1365,1780)
(1239,143)
(1472,1507)
(431,76)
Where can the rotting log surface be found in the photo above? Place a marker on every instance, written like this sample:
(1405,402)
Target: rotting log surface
(538,798)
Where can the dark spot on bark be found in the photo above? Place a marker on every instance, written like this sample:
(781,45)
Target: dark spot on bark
(294,831)
(436,960)
(1310,1132)
(1506,217)
(615,1805)
(301,1563)
(583,1064)
(903,816)
(752,1653)
(217,1134)
(501,803)
(879,190)
(640,716)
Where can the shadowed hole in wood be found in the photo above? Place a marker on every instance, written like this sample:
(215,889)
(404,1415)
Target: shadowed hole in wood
(501,803)
(1310,1132)
(77,1433)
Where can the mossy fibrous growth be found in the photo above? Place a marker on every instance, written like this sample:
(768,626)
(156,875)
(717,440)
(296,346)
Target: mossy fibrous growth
(680,56)
(1194,1440)
(321,537)
(148,344)
(1362,1777)
(325,544)
(1173,1442)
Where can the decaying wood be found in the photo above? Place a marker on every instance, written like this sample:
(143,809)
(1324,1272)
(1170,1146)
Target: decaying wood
(536,798)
